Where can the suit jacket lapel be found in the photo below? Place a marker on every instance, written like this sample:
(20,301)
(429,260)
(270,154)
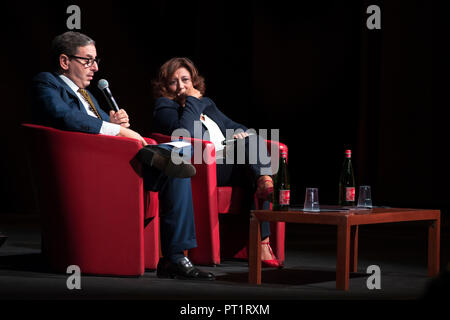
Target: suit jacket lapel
(70,92)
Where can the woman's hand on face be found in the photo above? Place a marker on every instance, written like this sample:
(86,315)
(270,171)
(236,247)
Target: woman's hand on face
(191,91)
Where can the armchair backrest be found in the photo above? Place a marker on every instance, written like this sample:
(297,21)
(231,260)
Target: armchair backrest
(90,196)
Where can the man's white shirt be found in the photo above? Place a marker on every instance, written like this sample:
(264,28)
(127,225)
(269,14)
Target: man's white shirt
(107,128)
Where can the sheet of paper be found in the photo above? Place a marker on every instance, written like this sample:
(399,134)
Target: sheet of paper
(178,144)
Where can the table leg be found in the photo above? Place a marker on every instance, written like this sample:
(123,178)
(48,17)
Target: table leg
(254,256)
(343,255)
(354,248)
(434,230)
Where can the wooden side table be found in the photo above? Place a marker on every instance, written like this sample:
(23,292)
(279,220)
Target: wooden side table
(347,224)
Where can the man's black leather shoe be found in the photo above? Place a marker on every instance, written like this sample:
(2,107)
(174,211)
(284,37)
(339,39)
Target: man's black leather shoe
(163,159)
(184,269)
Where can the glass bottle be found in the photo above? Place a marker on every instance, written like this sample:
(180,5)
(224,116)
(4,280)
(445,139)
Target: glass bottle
(282,192)
(347,182)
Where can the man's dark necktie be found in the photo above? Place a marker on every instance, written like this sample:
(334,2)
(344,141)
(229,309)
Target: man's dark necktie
(86,96)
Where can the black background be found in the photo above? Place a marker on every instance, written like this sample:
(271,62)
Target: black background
(311,69)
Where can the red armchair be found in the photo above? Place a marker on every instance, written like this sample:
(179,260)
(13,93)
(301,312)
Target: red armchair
(94,210)
(214,206)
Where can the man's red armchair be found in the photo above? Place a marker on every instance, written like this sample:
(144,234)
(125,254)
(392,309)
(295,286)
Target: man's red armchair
(214,206)
(94,211)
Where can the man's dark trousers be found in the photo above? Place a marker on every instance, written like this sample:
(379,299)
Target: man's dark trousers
(176,209)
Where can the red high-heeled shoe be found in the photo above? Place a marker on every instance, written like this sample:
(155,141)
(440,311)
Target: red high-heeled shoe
(272,263)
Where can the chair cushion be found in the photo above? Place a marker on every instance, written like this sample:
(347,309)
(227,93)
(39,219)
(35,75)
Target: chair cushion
(229,199)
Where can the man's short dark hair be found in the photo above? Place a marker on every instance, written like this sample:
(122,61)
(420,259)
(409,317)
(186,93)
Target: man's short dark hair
(67,43)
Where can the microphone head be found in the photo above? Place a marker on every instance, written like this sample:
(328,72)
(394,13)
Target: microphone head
(102,84)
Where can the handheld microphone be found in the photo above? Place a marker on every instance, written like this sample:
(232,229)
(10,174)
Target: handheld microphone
(103,85)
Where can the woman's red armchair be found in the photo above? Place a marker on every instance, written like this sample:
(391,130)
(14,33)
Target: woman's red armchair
(94,211)
(214,206)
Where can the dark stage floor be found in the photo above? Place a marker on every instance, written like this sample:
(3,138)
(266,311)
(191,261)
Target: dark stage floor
(400,250)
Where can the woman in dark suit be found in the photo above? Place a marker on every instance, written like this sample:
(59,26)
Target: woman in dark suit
(180,104)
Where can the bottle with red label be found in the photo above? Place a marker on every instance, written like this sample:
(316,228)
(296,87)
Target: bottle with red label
(347,182)
(282,192)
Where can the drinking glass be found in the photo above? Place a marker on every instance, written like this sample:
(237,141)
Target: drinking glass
(311,200)
(364,197)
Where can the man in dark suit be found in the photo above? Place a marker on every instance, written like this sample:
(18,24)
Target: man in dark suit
(60,100)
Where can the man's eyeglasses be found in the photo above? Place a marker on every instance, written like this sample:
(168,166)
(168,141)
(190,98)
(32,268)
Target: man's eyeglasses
(88,61)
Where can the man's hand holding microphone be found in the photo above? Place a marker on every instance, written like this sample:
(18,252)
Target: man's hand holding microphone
(119,116)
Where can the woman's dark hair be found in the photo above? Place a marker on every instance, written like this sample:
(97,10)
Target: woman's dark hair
(168,69)
(67,43)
